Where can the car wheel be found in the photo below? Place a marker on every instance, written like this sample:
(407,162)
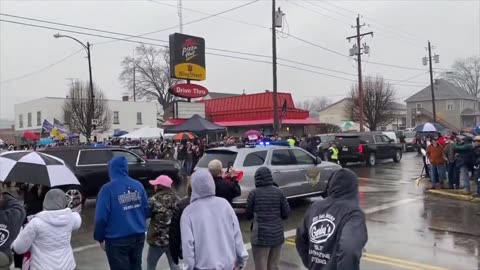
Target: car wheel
(372,159)
(75,196)
(398,156)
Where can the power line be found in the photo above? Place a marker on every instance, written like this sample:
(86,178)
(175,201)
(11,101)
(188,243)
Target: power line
(164,46)
(41,69)
(316,12)
(209,14)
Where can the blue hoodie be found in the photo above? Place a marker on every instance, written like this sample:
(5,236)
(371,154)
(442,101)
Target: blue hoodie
(211,236)
(122,204)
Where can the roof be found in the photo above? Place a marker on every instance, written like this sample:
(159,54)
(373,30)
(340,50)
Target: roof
(399,106)
(333,104)
(306,121)
(196,124)
(444,90)
(215,95)
(251,107)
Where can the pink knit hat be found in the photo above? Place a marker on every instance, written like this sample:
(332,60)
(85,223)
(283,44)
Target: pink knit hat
(162,180)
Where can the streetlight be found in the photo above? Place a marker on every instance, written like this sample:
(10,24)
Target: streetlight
(92,94)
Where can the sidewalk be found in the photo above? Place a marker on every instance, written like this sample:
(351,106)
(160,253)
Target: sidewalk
(455,194)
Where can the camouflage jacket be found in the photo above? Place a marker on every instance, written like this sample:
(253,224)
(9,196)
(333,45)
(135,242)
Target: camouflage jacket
(161,206)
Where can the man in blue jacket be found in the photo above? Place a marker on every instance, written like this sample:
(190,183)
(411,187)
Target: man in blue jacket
(120,218)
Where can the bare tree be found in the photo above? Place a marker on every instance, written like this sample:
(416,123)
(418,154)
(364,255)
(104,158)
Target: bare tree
(77,108)
(314,106)
(325,128)
(152,75)
(378,100)
(466,74)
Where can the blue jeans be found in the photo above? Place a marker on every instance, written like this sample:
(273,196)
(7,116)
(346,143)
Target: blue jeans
(125,253)
(453,174)
(465,177)
(154,255)
(188,167)
(437,173)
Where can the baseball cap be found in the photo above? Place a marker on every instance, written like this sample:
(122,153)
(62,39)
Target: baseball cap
(162,180)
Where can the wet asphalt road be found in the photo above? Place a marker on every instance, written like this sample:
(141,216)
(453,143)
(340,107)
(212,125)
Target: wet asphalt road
(407,229)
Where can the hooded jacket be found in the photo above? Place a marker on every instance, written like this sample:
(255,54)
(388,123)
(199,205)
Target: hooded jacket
(122,204)
(211,236)
(48,237)
(268,207)
(12,216)
(333,232)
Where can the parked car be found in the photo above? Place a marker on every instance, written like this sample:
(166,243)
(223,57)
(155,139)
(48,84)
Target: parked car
(410,144)
(291,167)
(367,147)
(325,140)
(90,167)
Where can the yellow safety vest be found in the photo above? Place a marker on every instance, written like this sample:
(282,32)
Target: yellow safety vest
(291,142)
(334,155)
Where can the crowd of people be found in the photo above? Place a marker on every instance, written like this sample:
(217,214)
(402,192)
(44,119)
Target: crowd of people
(456,158)
(201,230)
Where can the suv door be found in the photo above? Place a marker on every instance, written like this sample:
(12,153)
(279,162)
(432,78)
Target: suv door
(382,148)
(136,166)
(284,170)
(92,167)
(307,166)
(389,147)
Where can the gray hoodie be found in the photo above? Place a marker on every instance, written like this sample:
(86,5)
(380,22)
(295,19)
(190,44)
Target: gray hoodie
(211,236)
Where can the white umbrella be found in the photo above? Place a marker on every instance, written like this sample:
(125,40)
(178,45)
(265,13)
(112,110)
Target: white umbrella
(35,168)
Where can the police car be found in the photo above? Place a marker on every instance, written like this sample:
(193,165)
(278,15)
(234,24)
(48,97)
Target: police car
(294,170)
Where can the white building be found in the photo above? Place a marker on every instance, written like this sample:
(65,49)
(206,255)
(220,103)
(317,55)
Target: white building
(126,115)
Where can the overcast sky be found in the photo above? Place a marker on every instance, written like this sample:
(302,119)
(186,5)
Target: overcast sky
(401,30)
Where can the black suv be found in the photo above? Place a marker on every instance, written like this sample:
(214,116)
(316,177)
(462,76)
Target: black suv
(90,166)
(366,146)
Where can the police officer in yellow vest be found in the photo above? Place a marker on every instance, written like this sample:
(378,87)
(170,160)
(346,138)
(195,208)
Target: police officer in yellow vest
(291,141)
(333,152)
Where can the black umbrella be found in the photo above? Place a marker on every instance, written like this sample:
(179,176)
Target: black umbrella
(429,127)
(35,168)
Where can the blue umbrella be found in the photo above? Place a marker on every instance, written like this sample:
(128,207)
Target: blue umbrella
(45,141)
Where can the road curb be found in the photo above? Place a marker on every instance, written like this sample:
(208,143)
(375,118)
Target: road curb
(454,196)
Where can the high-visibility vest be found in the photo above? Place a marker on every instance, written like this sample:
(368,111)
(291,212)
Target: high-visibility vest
(334,152)
(291,142)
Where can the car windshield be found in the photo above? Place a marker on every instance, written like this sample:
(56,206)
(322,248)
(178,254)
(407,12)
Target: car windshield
(409,135)
(226,157)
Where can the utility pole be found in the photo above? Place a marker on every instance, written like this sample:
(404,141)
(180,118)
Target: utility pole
(436,58)
(276,122)
(92,94)
(134,86)
(180,15)
(357,50)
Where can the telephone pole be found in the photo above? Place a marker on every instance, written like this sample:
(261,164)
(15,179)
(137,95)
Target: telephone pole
(134,86)
(357,50)
(436,58)
(276,122)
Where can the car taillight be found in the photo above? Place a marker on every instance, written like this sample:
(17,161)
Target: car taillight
(414,140)
(238,175)
(360,148)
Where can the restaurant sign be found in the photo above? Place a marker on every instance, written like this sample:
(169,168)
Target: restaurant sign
(187,57)
(188,90)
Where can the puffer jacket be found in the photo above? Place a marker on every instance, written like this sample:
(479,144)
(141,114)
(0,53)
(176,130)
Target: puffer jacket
(48,236)
(268,207)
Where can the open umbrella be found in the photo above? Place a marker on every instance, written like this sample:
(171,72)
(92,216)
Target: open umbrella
(30,135)
(347,124)
(252,132)
(35,168)
(118,133)
(184,136)
(429,127)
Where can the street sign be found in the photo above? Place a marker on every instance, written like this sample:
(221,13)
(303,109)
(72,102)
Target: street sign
(187,57)
(188,90)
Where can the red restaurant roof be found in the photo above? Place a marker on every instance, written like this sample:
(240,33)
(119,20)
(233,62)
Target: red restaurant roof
(251,107)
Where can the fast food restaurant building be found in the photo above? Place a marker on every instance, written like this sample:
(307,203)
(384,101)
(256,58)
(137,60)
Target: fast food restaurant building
(254,111)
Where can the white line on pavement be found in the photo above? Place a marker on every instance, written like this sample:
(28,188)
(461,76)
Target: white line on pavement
(291,233)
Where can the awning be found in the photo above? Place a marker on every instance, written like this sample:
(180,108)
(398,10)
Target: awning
(306,121)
